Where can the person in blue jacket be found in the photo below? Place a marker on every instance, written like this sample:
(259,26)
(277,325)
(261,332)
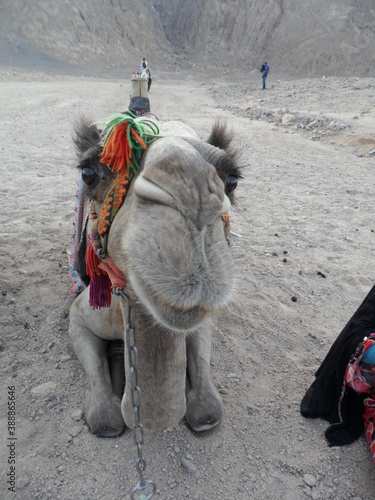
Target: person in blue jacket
(264,71)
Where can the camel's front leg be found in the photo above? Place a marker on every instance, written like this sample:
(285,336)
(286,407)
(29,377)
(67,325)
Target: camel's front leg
(103,408)
(203,403)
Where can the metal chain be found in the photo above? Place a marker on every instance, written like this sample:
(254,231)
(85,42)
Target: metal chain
(138,435)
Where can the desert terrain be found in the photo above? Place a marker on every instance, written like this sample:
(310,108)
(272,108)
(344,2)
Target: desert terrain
(303,235)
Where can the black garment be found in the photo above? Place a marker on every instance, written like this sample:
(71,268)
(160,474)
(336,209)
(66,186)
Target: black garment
(322,398)
(262,68)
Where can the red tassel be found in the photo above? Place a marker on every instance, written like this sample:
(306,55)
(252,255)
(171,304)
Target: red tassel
(100,291)
(100,284)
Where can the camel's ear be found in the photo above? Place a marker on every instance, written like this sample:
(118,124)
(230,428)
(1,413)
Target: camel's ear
(220,136)
(86,136)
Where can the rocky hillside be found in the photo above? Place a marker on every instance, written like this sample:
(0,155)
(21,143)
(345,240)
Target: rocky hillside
(90,34)
(298,38)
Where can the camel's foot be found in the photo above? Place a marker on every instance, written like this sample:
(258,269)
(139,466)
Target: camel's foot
(105,418)
(203,411)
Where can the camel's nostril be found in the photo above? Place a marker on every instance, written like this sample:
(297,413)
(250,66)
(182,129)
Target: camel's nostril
(151,192)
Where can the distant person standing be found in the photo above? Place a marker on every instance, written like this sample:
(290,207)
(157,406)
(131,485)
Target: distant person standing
(143,65)
(264,71)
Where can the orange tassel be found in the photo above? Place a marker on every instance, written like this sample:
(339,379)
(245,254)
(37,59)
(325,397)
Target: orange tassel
(138,138)
(114,149)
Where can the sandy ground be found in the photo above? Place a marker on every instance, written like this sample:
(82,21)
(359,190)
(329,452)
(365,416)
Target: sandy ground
(305,205)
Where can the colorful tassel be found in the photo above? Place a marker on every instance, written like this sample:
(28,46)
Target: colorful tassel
(125,138)
(226,226)
(100,284)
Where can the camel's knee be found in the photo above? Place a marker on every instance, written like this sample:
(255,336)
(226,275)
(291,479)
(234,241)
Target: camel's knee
(103,408)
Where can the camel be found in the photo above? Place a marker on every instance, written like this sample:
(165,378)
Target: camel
(167,239)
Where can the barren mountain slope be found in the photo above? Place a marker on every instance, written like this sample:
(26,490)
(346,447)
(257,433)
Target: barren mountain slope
(299,38)
(84,34)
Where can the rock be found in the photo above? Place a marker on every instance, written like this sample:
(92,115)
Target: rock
(75,430)
(312,124)
(49,319)
(360,85)
(287,118)
(68,438)
(44,390)
(65,357)
(188,465)
(310,480)
(77,414)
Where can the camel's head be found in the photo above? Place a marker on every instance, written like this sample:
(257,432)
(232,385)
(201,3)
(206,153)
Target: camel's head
(168,237)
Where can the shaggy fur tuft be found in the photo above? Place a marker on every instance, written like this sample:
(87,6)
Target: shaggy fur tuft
(227,165)
(97,177)
(220,136)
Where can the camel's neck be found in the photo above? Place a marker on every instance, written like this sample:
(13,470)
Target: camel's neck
(161,375)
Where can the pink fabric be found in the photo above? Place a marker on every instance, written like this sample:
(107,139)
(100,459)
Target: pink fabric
(369,418)
(80,210)
(354,375)
(116,276)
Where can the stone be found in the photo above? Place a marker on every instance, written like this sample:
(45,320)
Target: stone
(44,390)
(77,414)
(75,430)
(310,480)
(312,124)
(188,465)
(360,85)
(287,118)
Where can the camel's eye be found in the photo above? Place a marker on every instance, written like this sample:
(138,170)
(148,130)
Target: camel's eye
(89,175)
(230,184)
